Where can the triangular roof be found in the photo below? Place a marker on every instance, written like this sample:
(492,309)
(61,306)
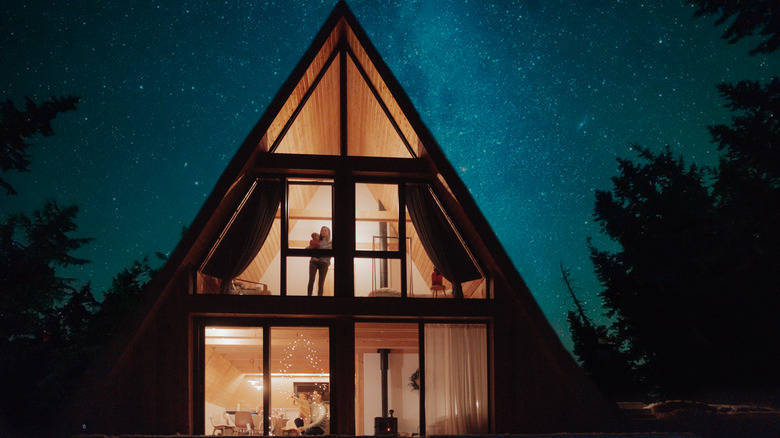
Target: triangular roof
(307,117)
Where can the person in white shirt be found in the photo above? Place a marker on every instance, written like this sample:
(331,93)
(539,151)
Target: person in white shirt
(319,417)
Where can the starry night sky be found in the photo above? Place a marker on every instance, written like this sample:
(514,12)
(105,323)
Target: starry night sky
(532,101)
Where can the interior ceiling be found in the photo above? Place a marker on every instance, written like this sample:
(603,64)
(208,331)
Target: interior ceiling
(304,350)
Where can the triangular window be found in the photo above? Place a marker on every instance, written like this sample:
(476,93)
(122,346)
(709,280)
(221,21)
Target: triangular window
(316,128)
(371,133)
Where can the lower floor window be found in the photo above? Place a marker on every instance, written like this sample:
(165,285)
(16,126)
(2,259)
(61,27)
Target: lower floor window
(410,378)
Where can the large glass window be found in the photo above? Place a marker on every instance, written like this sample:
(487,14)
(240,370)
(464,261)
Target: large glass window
(311,276)
(440,253)
(310,208)
(300,378)
(310,224)
(378,231)
(236,382)
(409,248)
(233,386)
(376,217)
(381,277)
(456,386)
(387,376)
(240,254)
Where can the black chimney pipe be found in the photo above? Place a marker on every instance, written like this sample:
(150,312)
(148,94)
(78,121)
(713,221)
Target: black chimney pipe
(383,353)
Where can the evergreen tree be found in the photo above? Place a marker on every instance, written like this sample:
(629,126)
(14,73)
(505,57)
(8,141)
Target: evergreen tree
(693,290)
(747,186)
(597,351)
(656,287)
(747,18)
(128,288)
(31,249)
(18,126)
(38,306)
(49,328)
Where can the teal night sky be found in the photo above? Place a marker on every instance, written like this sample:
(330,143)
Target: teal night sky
(531,100)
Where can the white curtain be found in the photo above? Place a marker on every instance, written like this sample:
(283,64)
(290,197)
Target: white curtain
(456,379)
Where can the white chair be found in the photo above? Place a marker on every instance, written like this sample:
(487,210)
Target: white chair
(244,423)
(222,426)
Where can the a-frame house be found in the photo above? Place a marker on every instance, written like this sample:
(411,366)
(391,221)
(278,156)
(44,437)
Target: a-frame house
(230,330)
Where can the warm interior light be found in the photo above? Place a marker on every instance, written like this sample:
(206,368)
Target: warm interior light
(257,384)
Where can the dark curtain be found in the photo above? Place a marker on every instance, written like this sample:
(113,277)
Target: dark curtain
(246,234)
(439,239)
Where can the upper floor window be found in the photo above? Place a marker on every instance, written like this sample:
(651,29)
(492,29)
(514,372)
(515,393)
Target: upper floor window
(309,227)
(404,245)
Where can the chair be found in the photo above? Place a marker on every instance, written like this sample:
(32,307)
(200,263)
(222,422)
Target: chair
(224,429)
(436,288)
(244,423)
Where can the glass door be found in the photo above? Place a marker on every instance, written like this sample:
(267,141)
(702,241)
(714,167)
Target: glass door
(387,376)
(237,388)
(233,372)
(300,379)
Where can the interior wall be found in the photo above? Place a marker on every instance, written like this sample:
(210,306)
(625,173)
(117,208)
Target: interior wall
(272,276)
(400,397)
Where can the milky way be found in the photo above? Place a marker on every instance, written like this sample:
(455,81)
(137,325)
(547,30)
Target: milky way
(532,101)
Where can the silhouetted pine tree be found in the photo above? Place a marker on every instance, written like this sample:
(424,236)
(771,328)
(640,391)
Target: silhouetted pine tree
(747,187)
(17,126)
(693,291)
(49,328)
(599,355)
(128,288)
(37,305)
(663,216)
(747,18)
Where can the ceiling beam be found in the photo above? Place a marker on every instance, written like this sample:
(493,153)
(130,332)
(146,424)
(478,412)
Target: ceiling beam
(292,164)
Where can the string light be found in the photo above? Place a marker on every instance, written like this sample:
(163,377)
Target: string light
(300,347)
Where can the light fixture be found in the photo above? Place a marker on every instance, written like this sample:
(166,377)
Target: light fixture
(257,384)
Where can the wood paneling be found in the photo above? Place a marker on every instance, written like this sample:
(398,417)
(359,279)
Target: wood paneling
(370,132)
(316,128)
(382,89)
(316,125)
(292,102)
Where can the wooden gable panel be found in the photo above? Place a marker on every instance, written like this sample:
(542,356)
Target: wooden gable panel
(308,79)
(370,132)
(384,92)
(316,128)
(376,125)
